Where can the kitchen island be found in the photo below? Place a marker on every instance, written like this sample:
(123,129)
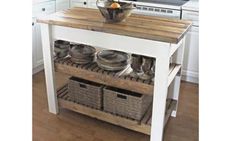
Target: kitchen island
(155,37)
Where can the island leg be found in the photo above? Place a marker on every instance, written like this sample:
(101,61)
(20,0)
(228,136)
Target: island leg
(159,98)
(178,59)
(49,69)
(175,89)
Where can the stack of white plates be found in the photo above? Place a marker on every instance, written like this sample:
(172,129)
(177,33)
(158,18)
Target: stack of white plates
(112,60)
(82,54)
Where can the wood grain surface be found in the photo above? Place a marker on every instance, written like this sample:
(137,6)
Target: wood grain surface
(66,102)
(139,26)
(94,73)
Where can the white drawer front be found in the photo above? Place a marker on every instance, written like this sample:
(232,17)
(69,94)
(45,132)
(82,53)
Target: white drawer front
(79,1)
(62,5)
(44,8)
(82,3)
(92,4)
(190,15)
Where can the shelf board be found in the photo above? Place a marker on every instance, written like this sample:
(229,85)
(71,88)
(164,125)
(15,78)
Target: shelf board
(66,102)
(170,106)
(143,126)
(92,72)
(173,72)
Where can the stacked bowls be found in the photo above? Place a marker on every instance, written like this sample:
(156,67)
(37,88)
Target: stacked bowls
(112,60)
(61,48)
(82,54)
(143,67)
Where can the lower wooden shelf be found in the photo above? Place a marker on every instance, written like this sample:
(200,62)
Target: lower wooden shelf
(143,126)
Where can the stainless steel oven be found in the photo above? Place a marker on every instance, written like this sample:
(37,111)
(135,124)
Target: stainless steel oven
(164,8)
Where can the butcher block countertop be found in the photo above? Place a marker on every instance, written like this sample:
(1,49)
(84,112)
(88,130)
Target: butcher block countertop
(139,26)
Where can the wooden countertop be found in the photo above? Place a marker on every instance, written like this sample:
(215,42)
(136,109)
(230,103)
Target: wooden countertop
(139,26)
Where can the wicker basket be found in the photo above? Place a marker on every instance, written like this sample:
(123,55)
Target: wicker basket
(126,103)
(85,92)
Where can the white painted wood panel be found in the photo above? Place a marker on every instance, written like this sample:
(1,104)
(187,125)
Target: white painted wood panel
(42,9)
(37,56)
(49,69)
(34,44)
(160,95)
(62,4)
(92,4)
(191,56)
(79,3)
(38,50)
(111,41)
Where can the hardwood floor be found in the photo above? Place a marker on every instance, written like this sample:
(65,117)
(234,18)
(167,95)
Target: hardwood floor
(71,126)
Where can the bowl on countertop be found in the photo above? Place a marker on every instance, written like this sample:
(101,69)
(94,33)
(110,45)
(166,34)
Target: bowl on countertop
(114,14)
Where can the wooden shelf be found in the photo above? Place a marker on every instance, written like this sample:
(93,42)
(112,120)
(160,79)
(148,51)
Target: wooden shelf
(173,72)
(92,72)
(143,126)
(170,106)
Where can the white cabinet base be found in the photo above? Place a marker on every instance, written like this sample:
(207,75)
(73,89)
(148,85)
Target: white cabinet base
(190,71)
(40,9)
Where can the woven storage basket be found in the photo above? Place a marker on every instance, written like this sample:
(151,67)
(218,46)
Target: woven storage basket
(126,103)
(85,92)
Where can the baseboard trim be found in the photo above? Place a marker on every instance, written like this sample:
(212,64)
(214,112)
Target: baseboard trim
(38,69)
(190,76)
